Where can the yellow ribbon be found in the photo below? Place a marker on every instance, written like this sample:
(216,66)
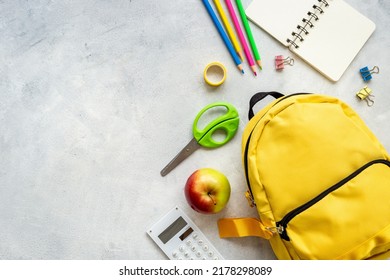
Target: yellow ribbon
(240,227)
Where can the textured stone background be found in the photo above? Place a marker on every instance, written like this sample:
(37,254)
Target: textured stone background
(97,96)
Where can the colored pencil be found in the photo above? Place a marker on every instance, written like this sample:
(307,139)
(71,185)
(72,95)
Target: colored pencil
(249,32)
(241,36)
(229,29)
(223,34)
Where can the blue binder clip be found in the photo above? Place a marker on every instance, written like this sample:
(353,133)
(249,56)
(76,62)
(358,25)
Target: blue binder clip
(366,73)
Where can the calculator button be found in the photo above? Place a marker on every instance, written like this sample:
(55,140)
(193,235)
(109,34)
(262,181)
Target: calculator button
(175,254)
(211,253)
(216,258)
(186,254)
(198,254)
(195,235)
(181,248)
(200,242)
(205,247)
(193,248)
(189,242)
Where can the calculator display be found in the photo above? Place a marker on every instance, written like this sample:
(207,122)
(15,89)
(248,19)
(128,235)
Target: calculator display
(172,230)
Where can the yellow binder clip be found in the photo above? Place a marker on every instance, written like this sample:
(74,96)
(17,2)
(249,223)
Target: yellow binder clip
(365,94)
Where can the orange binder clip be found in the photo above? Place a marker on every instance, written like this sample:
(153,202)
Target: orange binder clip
(280,61)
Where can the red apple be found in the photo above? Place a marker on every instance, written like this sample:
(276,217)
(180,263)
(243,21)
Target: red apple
(207,191)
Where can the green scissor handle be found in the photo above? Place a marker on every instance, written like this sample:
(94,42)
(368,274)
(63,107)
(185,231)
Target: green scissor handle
(228,123)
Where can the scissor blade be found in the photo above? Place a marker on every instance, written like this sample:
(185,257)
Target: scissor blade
(182,155)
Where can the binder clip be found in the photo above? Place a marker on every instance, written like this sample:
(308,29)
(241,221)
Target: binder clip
(365,94)
(280,61)
(366,73)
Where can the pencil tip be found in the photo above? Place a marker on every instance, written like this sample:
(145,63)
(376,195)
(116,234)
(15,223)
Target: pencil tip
(242,71)
(255,73)
(240,56)
(260,65)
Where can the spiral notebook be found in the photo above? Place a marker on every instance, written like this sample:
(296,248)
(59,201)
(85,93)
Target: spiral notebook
(326,34)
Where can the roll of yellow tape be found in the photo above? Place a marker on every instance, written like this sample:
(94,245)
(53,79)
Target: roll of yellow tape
(214,73)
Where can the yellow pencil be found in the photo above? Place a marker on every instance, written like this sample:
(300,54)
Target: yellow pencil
(229,29)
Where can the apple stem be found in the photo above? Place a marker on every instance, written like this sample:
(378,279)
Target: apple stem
(209,194)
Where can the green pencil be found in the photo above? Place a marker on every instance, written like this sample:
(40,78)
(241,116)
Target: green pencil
(249,33)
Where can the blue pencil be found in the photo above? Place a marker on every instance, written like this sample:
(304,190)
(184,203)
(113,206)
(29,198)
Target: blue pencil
(223,34)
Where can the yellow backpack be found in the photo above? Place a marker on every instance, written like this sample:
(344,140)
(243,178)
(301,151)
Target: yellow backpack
(319,179)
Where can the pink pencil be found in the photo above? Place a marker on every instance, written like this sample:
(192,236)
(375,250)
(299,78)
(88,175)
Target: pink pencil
(241,36)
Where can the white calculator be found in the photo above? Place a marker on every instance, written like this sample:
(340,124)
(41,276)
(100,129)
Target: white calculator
(181,239)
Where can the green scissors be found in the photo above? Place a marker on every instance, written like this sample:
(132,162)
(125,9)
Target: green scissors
(227,123)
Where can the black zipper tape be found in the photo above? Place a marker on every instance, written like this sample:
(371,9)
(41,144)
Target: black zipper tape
(282,224)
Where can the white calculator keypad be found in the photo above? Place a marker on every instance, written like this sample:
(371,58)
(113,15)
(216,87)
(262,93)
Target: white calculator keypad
(194,249)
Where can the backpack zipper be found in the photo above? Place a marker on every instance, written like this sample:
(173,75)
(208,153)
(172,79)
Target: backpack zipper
(249,193)
(282,224)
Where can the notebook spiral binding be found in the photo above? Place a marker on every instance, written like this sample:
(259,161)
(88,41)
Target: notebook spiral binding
(302,29)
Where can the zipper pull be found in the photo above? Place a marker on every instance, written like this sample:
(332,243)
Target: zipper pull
(282,231)
(250,199)
(277,229)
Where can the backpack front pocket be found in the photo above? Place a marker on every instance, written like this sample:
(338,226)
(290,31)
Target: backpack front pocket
(350,220)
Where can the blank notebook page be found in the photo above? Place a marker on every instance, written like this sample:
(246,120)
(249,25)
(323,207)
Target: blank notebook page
(331,45)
